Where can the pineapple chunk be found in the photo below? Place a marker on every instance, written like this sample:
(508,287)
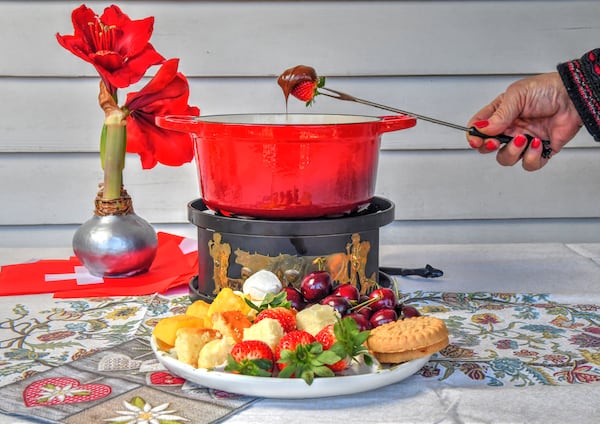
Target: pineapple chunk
(315,317)
(267,330)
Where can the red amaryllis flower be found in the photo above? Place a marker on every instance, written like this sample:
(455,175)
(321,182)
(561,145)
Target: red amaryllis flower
(166,94)
(117,46)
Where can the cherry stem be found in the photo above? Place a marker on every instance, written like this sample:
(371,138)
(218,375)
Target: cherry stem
(374,299)
(320,263)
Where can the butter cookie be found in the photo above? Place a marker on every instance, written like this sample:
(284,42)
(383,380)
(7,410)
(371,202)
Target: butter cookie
(408,339)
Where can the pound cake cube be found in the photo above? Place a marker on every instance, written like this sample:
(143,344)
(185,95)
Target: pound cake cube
(215,353)
(189,341)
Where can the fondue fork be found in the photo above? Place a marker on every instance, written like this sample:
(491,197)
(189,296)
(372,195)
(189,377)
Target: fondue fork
(502,138)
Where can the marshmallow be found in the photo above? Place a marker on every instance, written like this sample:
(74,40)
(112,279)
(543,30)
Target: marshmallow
(259,284)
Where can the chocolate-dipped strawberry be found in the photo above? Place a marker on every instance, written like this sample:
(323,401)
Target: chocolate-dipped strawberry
(301,82)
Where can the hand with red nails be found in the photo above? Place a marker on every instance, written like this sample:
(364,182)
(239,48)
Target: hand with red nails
(539,105)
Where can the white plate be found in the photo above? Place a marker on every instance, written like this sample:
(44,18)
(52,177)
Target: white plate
(363,379)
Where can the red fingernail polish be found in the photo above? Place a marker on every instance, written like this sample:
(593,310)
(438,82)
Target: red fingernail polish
(481,124)
(490,145)
(472,144)
(536,142)
(520,140)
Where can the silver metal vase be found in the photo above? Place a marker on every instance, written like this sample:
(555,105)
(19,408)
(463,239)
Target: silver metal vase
(115,244)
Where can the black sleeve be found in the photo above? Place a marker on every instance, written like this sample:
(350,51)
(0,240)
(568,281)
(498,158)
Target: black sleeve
(582,80)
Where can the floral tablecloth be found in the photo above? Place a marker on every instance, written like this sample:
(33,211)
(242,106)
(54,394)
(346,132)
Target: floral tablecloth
(497,339)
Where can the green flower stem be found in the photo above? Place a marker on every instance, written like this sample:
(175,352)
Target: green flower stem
(114,154)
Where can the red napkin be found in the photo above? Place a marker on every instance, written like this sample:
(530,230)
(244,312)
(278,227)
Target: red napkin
(176,263)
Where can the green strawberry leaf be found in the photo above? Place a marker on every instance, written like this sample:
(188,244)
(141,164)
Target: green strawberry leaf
(324,371)
(287,371)
(254,367)
(308,376)
(307,361)
(330,357)
(350,341)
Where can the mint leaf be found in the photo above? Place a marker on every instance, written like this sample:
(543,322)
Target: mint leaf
(270,301)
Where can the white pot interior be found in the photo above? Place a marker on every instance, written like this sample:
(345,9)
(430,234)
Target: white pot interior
(287,119)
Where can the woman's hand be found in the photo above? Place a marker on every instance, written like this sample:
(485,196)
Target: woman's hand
(537,105)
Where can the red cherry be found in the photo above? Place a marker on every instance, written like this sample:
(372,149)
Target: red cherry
(295,298)
(365,311)
(348,291)
(383,316)
(316,285)
(339,303)
(362,322)
(363,306)
(386,299)
(363,298)
(409,311)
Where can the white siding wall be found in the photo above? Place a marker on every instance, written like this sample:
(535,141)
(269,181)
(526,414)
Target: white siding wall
(438,58)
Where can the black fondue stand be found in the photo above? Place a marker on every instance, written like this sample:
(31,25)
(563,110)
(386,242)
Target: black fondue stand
(232,248)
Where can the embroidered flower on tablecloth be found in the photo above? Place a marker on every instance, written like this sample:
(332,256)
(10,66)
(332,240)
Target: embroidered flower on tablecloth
(56,335)
(524,353)
(508,366)
(493,306)
(60,314)
(138,411)
(454,351)
(62,390)
(485,318)
(564,322)
(434,309)
(585,340)
(22,354)
(122,313)
(556,358)
(82,353)
(428,371)
(579,374)
(547,331)
(592,329)
(51,392)
(473,371)
(506,344)
(588,308)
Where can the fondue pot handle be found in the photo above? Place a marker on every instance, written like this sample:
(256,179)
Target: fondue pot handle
(396,122)
(183,123)
(427,272)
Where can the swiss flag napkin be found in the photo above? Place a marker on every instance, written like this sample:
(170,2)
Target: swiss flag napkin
(176,263)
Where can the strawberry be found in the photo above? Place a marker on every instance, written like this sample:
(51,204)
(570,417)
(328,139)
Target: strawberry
(251,357)
(346,340)
(327,338)
(298,354)
(285,316)
(304,91)
(307,90)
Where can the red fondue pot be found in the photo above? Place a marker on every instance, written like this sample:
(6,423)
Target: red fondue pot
(286,165)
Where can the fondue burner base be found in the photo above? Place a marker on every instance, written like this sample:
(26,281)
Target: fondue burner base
(231,248)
